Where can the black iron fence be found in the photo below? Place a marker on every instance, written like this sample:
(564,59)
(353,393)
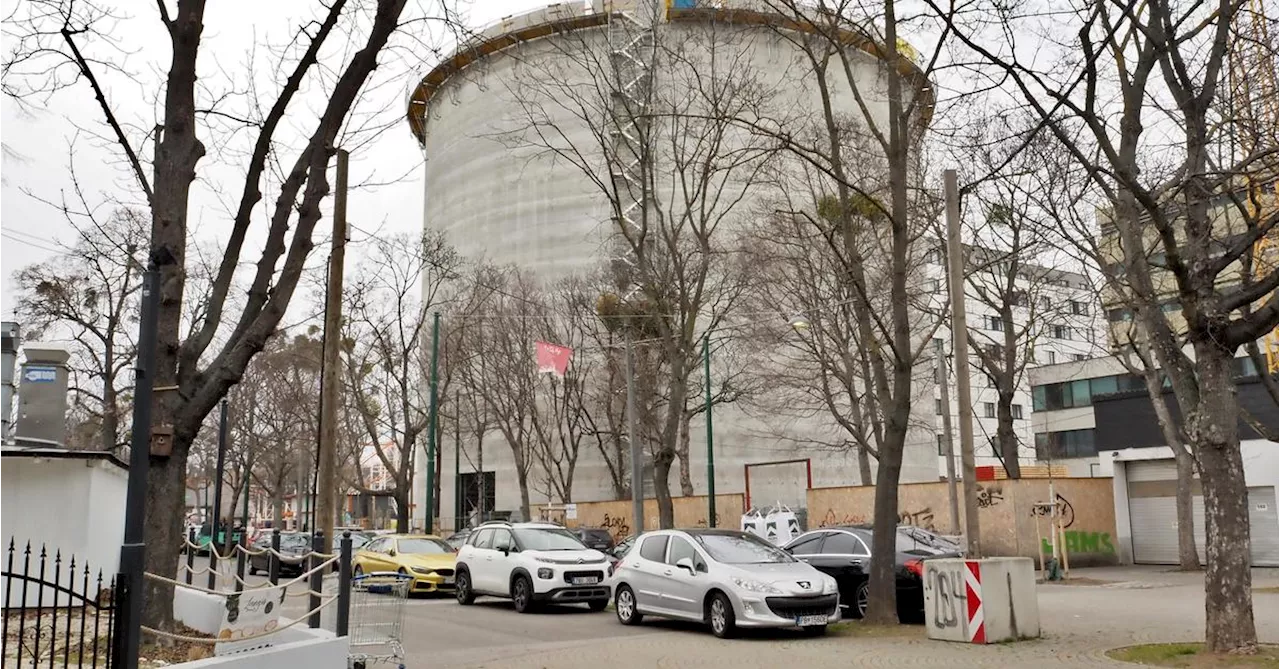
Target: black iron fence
(57,613)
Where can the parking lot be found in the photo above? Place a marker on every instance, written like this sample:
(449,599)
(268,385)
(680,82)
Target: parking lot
(1080,622)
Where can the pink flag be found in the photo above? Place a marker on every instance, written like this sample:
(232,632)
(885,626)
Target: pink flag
(553,359)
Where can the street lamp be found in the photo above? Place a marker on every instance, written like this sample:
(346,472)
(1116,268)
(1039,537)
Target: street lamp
(711,457)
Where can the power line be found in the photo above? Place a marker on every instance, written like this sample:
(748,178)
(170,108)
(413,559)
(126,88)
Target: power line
(9,236)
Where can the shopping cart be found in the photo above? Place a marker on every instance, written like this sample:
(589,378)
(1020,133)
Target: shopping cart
(377,618)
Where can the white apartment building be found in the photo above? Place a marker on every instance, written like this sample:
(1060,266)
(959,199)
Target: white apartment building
(1056,318)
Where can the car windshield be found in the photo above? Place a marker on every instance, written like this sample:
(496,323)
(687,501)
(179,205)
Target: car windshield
(423,546)
(294,541)
(741,549)
(547,539)
(598,535)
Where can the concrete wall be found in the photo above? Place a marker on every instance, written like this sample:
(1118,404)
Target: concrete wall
(71,505)
(299,647)
(617,518)
(1005,588)
(1005,515)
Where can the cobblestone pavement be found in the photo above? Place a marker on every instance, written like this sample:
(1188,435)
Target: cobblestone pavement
(1119,606)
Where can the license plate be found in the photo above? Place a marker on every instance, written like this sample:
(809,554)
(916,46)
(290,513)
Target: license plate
(448,580)
(585,580)
(807,621)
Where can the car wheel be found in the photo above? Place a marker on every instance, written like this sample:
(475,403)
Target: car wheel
(462,589)
(253,571)
(522,594)
(597,604)
(860,598)
(815,630)
(624,604)
(720,616)
(357,572)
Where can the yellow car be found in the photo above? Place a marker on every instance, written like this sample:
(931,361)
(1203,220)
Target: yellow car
(428,559)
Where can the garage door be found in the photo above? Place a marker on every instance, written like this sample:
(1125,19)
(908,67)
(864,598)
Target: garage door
(1153,516)
(1153,512)
(1264,529)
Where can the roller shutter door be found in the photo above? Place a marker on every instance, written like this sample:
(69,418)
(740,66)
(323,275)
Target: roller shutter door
(1264,527)
(1153,512)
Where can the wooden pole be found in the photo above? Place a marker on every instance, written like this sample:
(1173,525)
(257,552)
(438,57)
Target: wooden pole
(326,475)
(960,348)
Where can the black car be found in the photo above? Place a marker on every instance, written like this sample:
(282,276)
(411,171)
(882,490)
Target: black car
(294,549)
(595,537)
(845,554)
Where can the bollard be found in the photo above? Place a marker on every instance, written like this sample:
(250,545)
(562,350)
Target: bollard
(274,569)
(344,585)
(241,556)
(191,552)
(317,578)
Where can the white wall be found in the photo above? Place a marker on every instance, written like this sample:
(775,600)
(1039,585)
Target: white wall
(71,505)
(315,649)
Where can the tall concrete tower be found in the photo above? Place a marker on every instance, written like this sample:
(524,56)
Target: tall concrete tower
(42,396)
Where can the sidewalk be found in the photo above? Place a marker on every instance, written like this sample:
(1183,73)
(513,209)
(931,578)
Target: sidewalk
(1127,605)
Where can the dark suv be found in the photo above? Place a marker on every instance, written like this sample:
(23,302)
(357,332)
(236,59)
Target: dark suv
(595,537)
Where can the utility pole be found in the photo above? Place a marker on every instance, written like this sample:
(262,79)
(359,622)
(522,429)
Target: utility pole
(711,452)
(637,462)
(952,494)
(214,544)
(326,469)
(429,507)
(960,348)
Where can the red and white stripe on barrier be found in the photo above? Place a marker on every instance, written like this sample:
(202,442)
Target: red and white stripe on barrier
(973,597)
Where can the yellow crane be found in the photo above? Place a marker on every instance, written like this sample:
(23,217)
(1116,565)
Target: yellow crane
(1256,116)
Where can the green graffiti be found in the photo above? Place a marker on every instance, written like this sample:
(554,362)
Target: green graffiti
(1083,542)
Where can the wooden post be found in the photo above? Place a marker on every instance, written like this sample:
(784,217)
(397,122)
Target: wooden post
(326,474)
(960,349)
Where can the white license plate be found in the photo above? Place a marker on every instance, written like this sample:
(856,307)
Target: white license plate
(806,621)
(585,580)
(448,580)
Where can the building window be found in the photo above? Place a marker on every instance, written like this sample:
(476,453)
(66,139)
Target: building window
(1121,315)
(937,407)
(935,286)
(1079,357)
(995,324)
(1079,308)
(1061,332)
(942,444)
(933,256)
(989,409)
(1016,410)
(939,345)
(1045,303)
(1066,444)
(1051,357)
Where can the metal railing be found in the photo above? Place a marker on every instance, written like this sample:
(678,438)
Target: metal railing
(57,613)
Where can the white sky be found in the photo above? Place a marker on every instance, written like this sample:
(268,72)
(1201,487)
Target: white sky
(40,140)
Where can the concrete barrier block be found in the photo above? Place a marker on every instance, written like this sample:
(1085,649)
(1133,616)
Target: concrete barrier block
(981,601)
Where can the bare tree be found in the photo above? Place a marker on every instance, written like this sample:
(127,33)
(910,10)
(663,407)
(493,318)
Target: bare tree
(1135,111)
(89,295)
(386,352)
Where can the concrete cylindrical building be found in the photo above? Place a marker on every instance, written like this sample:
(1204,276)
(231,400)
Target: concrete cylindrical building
(516,126)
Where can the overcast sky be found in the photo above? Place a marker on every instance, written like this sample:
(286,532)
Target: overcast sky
(36,143)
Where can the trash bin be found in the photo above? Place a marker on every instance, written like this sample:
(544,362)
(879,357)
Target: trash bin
(981,601)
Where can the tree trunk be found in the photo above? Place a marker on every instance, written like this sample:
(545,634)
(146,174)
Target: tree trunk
(662,489)
(1229,622)
(1188,559)
(402,510)
(1005,437)
(882,606)
(524,497)
(686,478)
(166,482)
(277,506)
(110,408)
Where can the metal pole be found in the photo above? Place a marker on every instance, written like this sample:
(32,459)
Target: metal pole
(273,571)
(241,556)
(214,544)
(316,580)
(326,472)
(637,462)
(344,586)
(133,550)
(711,452)
(429,508)
(952,493)
(960,348)
(457,461)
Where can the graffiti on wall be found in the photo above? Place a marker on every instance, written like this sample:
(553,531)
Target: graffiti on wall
(617,526)
(989,496)
(830,519)
(945,586)
(1083,542)
(1068,512)
(922,518)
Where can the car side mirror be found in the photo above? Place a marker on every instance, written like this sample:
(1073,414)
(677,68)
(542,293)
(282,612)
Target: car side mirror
(391,553)
(687,563)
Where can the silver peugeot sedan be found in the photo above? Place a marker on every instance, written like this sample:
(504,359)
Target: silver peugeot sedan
(724,578)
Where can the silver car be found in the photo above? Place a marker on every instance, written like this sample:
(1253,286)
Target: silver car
(724,578)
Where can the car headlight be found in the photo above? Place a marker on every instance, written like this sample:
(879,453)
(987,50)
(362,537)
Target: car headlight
(829,587)
(756,586)
(545,573)
(422,570)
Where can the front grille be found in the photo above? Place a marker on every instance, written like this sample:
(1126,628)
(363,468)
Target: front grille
(570,575)
(580,594)
(794,607)
(444,572)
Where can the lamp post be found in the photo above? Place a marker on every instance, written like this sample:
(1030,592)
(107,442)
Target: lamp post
(430,500)
(711,453)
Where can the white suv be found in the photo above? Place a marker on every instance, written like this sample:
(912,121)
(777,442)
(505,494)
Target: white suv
(532,563)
